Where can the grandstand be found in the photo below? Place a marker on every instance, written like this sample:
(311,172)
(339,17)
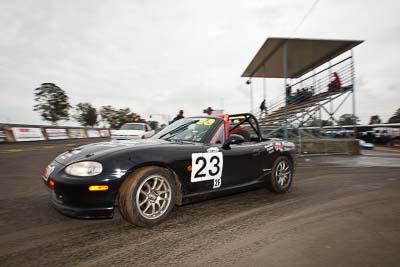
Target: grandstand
(307,65)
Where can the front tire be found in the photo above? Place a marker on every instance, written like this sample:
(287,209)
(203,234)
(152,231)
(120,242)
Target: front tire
(281,176)
(147,196)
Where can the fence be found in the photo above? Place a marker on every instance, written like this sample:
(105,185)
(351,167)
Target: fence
(23,132)
(314,141)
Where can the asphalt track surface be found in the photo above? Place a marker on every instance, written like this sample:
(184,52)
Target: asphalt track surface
(341,211)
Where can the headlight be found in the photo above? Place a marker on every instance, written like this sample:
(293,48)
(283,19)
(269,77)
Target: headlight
(84,168)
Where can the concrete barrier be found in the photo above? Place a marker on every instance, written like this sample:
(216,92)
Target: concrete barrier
(328,146)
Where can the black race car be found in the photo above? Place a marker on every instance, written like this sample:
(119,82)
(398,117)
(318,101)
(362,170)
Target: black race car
(191,160)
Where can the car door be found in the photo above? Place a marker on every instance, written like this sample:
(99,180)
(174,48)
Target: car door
(241,164)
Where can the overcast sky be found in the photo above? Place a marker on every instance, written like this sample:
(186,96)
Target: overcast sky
(157,57)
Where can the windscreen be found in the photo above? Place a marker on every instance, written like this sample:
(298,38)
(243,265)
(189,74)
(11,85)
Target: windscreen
(187,129)
(139,127)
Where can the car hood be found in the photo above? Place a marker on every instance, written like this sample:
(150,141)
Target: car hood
(96,150)
(127,132)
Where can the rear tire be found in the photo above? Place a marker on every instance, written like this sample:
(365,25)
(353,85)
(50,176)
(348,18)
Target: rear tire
(147,196)
(282,175)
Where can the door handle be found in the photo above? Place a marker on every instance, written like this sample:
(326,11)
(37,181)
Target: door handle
(256,152)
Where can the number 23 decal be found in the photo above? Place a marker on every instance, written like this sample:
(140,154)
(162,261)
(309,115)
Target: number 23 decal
(207,166)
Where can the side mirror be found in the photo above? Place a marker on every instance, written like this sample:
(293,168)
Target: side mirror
(233,139)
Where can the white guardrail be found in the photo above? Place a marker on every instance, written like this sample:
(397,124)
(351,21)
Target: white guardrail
(23,133)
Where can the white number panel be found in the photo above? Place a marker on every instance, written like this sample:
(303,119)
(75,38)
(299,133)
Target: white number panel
(207,166)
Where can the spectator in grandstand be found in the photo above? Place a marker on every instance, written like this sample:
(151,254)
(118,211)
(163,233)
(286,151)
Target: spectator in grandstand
(288,93)
(302,96)
(312,90)
(263,108)
(296,96)
(178,116)
(288,89)
(335,84)
(209,111)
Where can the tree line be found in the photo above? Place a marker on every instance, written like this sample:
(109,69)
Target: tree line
(52,103)
(350,119)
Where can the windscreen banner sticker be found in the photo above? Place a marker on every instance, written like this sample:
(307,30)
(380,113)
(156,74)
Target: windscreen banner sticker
(207,166)
(206,121)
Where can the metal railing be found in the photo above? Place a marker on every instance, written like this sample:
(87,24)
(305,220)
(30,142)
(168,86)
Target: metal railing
(298,113)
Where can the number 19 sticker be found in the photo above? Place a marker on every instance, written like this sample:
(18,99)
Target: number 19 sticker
(207,166)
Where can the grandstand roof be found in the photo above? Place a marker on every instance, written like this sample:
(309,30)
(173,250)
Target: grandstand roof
(303,55)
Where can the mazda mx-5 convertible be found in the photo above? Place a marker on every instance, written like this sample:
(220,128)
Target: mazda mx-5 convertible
(193,159)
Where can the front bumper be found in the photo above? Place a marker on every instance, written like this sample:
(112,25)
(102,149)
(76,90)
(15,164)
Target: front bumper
(82,212)
(71,195)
